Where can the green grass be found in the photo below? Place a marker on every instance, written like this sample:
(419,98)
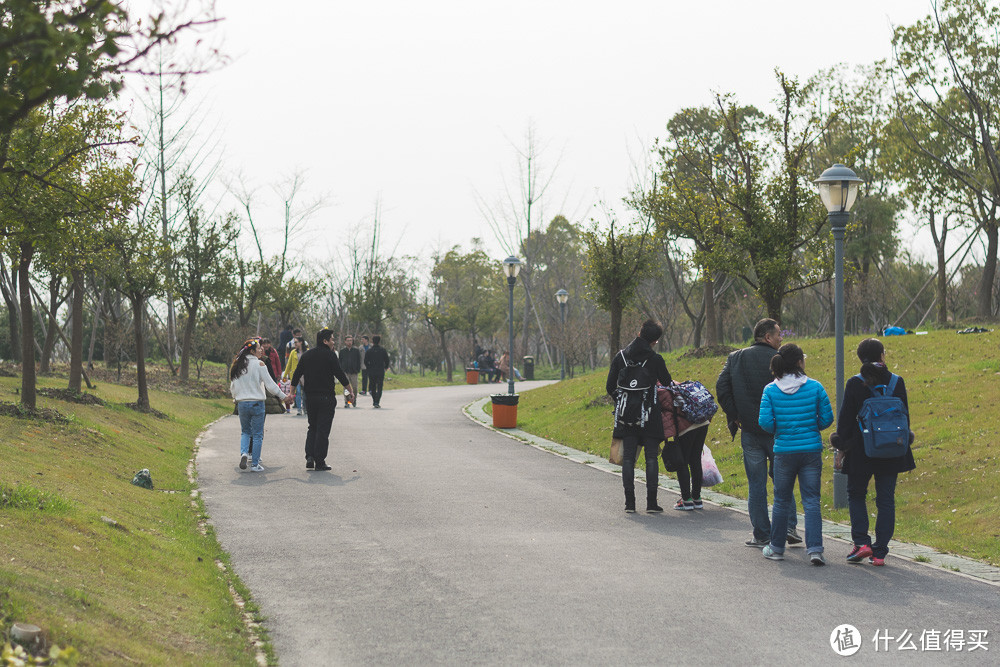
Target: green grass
(147,590)
(950,502)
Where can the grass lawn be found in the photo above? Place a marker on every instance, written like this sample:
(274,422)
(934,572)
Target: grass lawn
(145,591)
(950,502)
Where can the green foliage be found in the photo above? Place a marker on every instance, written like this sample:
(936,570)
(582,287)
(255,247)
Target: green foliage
(26,497)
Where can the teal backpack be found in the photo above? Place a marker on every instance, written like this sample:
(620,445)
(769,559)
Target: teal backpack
(884,422)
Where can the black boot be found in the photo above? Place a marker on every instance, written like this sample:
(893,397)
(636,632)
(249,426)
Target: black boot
(651,505)
(630,501)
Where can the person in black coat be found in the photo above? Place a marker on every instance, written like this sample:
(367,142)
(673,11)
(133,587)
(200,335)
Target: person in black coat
(377,363)
(651,435)
(859,467)
(321,370)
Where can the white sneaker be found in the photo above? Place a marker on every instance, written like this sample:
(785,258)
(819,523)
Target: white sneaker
(257,468)
(243,462)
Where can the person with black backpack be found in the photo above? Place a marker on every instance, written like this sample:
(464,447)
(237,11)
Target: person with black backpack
(859,466)
(631,383)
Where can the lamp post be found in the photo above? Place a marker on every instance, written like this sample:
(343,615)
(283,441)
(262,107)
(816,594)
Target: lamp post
(838,188)
(562,296)
(511,266)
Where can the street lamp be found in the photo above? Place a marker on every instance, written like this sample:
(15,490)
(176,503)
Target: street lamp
(838,188)
(511,266)
(562,296)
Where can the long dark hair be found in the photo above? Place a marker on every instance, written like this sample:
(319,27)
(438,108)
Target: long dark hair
(873,371)
(239,365)
(786,361)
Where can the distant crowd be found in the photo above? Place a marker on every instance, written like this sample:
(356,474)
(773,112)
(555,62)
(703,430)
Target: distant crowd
(780,412)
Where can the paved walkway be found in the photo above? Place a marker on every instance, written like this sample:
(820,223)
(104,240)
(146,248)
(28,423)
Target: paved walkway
(434,540)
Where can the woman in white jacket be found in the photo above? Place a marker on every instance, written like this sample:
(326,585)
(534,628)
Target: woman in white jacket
(248,380)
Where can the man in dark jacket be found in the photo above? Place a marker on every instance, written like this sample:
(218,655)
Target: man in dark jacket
(739,388)
(350,361)
(284,338)
(321,371)
(377,362)
(640,351)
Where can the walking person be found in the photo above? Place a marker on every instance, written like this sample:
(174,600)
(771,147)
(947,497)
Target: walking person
(861,468)
(284,344)
(364,365)
(690,441)
(377,361)
(248,380)
(300,346)
(350,361)
(648,432)
(320,370)
(795,408)
(739,389)
(271,359)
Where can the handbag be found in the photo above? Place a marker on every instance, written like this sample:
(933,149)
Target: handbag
(617,451)
(673,458)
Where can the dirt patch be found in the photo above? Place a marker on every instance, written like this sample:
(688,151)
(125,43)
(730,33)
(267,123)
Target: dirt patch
(708,351)
(72,396)
(148,411)
(20,412)
(602,401)
(160,378)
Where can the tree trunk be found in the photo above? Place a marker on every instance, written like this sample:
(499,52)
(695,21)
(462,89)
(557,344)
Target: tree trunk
(93,331)
(53,324)
(8,287)
(447,355)
(138,317)
(711,331)
(76,335)
(28,398)
(984,307)
(615,343)
(942,266)
(186,344)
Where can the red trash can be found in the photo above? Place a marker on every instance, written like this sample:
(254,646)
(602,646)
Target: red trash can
(504,410)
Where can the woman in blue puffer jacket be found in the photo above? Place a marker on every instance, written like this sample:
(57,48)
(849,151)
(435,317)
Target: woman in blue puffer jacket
(795,408)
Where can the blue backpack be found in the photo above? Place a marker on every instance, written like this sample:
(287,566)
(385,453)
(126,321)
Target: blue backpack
(884,422)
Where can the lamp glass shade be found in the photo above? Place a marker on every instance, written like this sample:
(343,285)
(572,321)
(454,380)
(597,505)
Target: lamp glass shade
(512,266)
(562,296)
(838,188)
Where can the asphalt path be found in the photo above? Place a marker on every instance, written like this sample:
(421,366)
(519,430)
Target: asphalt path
(434,540)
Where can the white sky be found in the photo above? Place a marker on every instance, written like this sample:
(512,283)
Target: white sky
(415,104)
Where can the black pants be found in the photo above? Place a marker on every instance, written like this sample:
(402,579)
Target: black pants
(364,381)
(320,408)
(689,474)
(375,387)
(630,446)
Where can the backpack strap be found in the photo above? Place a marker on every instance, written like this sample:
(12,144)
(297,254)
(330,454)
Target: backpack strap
(892,384)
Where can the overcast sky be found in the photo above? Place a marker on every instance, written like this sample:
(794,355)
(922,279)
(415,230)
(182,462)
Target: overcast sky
(420,105)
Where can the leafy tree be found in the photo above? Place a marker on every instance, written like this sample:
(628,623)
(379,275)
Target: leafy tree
(70,49)
(202,264)
(950,61)
(617,261)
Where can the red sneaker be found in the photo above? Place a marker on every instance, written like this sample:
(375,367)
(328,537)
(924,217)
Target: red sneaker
(859,553)
(876,561)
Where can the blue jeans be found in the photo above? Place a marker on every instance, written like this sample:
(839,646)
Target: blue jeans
(299,396)
(252,427)
(807,466)
(885,503)
(757,449)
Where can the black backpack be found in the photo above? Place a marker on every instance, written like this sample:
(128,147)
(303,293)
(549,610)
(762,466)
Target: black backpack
(636,394)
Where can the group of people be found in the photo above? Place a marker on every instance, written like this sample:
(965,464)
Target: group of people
(780,412)
(490,368)
(311,376)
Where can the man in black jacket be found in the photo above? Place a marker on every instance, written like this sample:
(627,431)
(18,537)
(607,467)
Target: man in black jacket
(321,369)
(739,388)
(377,362)
(350,361)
